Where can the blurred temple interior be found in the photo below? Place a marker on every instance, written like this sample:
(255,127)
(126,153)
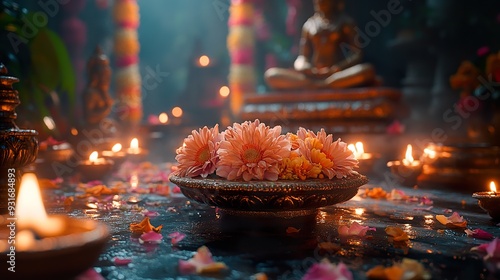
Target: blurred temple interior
(83,75)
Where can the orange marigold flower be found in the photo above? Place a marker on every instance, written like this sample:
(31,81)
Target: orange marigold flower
(198,154)
(252,150)
(335,159)
(298,167)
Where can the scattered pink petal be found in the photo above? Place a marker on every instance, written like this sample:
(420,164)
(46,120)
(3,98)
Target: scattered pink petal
(456,218)
(492,249)
(163,190)
(94,183)
(423,208)
(479,233)
(150,237)
(171,209)
(397,195)
(482,51)
(290,230)
(176,189)
(447,211)
(122,261)
(354,230)
(57,180)
(426,201)
(328,271)
(201,263)
(90,274)
(453,221)
(153,203)
(395,128)
(148,213)
(176,237)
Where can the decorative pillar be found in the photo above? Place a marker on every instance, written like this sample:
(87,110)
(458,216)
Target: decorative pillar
(126,54)
(241,46)
(74,35)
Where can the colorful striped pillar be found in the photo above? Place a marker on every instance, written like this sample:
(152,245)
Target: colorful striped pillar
(241,46)
(126,53)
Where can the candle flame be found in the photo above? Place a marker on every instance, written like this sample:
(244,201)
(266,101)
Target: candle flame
(134,144)
(116,148)
(360,148)
(163,117)
(134,181)
(430,153)
(493,187)
(409,154)
(29,200)
(93,156)
(177,112)
(30,211)
(352,148)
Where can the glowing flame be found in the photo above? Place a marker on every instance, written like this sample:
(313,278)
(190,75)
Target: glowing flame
(177,112)
(360,148)
(493,187)
(30,211)
(93,156)
(204,60)
(430,153)
(224,91)
(134,144)
(359,211)
(116,148)
(49,122)
(352,148)
(163,118)
(134,181)
(409,154)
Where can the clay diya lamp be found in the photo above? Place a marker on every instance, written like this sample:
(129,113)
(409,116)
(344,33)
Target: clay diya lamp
(406,170)
(95,168)
(136,153)
(116,154)
(46,246)
(489,201)
(366,161)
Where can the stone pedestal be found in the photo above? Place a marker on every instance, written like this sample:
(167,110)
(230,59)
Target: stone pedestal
(353,110)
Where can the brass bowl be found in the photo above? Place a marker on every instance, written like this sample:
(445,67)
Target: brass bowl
(282,198)
(61,257)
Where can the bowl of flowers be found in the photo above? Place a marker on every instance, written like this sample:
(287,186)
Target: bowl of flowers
(251,169)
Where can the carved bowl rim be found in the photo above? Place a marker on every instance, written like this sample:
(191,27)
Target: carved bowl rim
(233,195)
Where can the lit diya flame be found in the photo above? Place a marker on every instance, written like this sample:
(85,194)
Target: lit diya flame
(93,157)
(116,148)
(134,146)
(30,212)
(163,118)
(493,187)
(409,160)
(358,150)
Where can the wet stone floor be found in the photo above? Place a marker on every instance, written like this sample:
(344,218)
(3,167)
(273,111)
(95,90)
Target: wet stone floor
(249,246)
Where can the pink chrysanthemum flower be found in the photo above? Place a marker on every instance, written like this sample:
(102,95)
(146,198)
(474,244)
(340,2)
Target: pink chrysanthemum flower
(198,154)
(334,157)
(252,150)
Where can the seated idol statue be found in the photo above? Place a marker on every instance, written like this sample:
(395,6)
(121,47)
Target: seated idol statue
(328,56)
(97,101)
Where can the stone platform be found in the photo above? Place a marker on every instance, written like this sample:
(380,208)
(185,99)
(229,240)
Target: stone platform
(354,110)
